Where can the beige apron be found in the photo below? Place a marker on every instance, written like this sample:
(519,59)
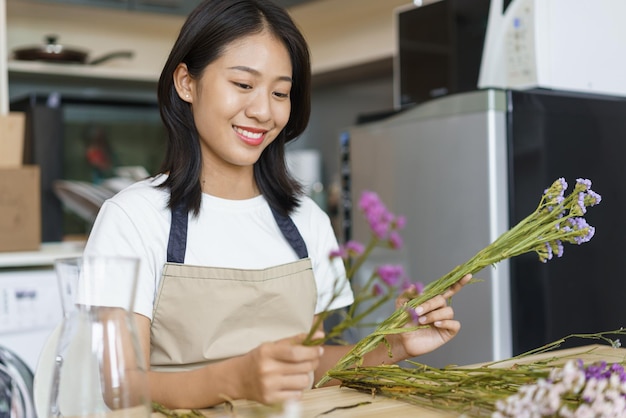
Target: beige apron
(207,314)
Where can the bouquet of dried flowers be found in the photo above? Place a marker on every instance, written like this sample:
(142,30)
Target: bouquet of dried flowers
(574,390)
(383,282)
(551,386)
(557,219)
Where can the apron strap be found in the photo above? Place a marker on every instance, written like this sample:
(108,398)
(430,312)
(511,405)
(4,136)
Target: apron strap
(290,231)
(177,244)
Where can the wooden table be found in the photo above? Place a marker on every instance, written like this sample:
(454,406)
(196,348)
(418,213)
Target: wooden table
(336,402)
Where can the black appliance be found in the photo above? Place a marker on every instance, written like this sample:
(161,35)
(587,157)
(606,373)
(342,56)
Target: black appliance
(439,49)
(83,138)
(552,135)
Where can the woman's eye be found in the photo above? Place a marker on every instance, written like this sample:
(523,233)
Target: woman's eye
(242,85)
(281,95)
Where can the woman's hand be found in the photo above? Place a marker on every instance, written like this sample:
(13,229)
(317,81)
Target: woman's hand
(434,312)
(281,370)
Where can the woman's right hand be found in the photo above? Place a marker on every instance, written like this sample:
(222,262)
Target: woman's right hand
(281,370)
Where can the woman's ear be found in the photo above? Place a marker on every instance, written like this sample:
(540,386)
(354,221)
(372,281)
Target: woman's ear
(183,83)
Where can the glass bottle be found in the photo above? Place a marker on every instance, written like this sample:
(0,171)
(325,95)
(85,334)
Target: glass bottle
(99,369)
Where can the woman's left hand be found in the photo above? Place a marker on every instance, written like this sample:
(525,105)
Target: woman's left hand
(437,314)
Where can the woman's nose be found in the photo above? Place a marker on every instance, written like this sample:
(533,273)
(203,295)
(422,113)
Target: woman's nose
(259,107)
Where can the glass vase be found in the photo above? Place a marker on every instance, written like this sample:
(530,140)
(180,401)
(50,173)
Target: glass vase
(99,369)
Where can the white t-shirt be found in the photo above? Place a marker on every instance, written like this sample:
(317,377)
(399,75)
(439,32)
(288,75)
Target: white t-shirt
(228,233)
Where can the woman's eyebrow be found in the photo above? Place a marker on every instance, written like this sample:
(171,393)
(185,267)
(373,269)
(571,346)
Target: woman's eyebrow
(258,73)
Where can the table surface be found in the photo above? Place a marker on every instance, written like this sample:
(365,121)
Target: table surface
(336,402)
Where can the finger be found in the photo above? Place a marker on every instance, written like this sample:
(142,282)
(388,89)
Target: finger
(408,294)
(441,314)
(287,351)
(457,286)
(431,304)
(400,301)
(300,338)
(294,382)
(451,325)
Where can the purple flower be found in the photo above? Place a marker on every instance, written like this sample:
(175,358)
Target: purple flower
(557,248)
(395,240)
(377,290)
(390,274)
(549,250)
(379,228)
(380,220)
(350,249)
(419,286)
(414,315)
(557,188)
(400,222)
(368,200)
(554,195)
(339,253)
(581,202)
(583,184)
(354,248)
(586,238)
(592,198)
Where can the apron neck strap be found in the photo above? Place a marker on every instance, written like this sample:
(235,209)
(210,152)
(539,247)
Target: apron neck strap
(177,244)
(291,233)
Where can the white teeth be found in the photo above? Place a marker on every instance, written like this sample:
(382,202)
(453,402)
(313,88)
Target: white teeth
(248,134)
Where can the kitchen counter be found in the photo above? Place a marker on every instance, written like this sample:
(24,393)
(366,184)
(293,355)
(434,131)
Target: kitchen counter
(44,257)
(336,402)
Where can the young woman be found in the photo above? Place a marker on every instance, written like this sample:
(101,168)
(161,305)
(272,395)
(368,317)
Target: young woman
(234,260)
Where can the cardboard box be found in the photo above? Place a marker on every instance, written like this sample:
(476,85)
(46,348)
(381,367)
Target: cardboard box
(12,128)
(20,208)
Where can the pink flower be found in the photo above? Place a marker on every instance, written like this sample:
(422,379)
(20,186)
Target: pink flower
(407,284)
(400,222)
(354,248)
(419,287)
(377,290)
(395,240)
(339,252)
(414,315)
(390,274)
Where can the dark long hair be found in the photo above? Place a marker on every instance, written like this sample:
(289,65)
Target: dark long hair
(207,31)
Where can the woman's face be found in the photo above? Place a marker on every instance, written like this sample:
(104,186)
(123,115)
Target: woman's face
(241,102)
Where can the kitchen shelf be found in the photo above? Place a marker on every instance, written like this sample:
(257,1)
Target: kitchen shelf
(82,71)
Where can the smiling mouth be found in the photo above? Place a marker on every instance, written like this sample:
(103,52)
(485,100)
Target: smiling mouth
(250,136)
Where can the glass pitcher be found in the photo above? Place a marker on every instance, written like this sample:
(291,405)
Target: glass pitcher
(99,369)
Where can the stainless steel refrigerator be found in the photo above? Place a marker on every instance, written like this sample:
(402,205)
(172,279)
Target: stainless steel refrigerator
(466,167)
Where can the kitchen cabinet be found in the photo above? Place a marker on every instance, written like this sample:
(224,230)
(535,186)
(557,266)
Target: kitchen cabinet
(176,7)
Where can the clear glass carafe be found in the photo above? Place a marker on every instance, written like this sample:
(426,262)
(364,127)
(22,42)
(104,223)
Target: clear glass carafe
(99,369)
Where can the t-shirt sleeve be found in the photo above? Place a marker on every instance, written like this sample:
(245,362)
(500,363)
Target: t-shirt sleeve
(115,233)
